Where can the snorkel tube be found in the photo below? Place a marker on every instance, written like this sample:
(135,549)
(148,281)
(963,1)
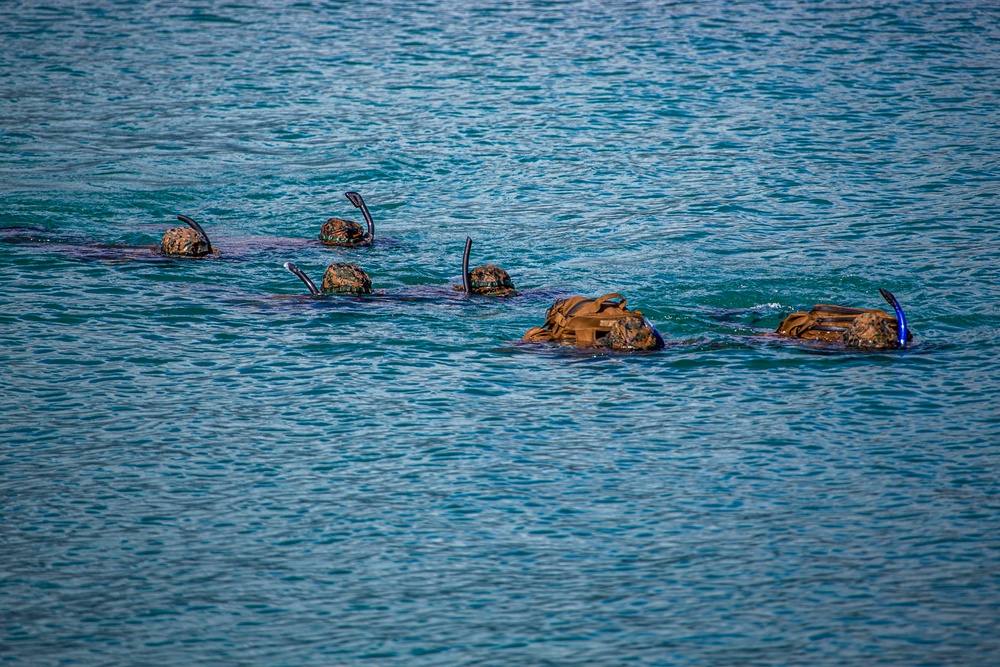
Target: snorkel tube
(360,203)
(656,334)
(900,315)
(466,276)
(303,277)
(197,228)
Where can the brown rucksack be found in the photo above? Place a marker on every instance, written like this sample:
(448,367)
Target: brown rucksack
(587,322)
(832,323)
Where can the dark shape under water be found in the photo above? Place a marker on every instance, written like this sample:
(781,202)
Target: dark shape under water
(347,233)
(486,280)
(78,247)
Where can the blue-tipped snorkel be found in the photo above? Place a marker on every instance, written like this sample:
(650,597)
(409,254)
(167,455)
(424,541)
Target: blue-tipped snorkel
(197,228)
(360,203)
(900,316)
(466,276)
(656,334)
(303,277)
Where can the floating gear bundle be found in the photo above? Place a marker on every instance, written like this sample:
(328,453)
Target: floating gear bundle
(600,322)
(864,328)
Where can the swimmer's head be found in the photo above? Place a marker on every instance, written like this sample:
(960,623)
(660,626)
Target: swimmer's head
(491,280)
(343,278)
(870,331)
(337,231)
(190,241)
(632,333)
(486,280)
(340,232)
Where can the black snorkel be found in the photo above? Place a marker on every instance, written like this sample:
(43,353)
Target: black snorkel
(360,203)
(197,228)
(303,277)
(900,316)
(466,276)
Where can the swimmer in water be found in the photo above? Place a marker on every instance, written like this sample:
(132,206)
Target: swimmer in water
(860,328)
(347,233)
(339,278)
(190,241)
(599,323)
(485,280)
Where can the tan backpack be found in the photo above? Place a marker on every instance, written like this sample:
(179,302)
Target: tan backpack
(827,322)
(586,322)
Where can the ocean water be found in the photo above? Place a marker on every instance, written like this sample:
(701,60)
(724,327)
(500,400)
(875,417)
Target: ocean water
(201,465)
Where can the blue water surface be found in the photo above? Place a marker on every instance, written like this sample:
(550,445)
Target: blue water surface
(201,465)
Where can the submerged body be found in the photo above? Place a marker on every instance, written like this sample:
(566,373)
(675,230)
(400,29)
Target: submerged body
(86,249)
(600,323)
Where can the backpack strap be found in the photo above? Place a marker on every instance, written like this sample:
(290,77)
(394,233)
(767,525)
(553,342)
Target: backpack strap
(836,310)
(600,301)
(562,310)
(580,303)
(538,335)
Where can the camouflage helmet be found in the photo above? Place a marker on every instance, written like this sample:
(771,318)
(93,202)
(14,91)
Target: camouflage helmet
(869,331)
(190,241)
(343,278)
(632,333)
(487,280)
(491,280)
(337,231)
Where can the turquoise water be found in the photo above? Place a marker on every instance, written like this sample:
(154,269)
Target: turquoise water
(200,465)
